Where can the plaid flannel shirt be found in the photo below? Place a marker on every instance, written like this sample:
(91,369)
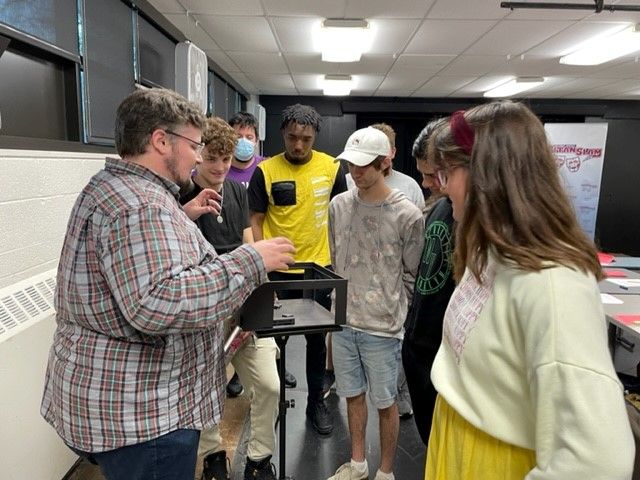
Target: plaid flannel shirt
(140,300)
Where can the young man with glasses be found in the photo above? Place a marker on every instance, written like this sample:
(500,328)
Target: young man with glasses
(136,366)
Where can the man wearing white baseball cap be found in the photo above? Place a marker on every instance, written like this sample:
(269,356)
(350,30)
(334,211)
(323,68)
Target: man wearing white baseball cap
(364,146)
(376,239)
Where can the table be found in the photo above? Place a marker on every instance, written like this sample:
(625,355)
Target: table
(608,285)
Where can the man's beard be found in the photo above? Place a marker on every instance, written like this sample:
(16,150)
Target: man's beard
(172,167)
(298,160)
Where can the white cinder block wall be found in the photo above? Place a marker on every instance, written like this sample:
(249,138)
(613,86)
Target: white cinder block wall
(37,191)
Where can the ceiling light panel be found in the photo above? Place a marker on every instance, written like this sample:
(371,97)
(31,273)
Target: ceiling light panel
(514,86)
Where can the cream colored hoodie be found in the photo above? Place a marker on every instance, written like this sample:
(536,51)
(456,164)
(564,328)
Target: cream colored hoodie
(377,247)
(524,358)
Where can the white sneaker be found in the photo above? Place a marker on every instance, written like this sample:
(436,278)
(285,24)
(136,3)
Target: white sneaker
(345,472)
(384,476)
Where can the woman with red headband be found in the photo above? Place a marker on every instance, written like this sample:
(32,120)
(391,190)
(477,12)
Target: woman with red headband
(526,387)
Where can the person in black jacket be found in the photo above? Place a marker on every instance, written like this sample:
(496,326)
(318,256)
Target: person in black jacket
(254,361)
(434,285)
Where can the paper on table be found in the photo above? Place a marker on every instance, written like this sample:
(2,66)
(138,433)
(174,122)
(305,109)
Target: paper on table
(629,319)
(625,282)
(610,299)
(605,258)
(610,272)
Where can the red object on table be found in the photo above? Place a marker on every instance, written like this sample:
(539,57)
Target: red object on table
(629,319)
(615,273)
(605,258)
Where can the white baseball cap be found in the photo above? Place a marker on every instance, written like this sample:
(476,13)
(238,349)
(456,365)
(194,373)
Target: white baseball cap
(364,146)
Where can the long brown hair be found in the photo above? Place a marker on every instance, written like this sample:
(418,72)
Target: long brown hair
(515,202)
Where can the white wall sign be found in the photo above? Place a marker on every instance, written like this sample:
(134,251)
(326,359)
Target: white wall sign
(579,150)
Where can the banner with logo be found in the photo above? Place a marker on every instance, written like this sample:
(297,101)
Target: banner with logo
(579,150)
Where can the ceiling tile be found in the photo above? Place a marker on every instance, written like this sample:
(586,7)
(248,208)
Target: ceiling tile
(621,69)
(443,86)
(614,88)
(401,82)
(421,64)
(576,85)
(196,33)
(466,10)
(308,83)
(256,34)
(475,65)
(449,37)
(369,64)
(362,83)
(224,7)
(310,63)
(538,65)
(391,35)
(515,37)
(567,40)
(296,34)
(271,81)
(387,9)
(296,8)
(259,62)
(457,50)
(244,82)
(223,61)
(480,85)
(301,63)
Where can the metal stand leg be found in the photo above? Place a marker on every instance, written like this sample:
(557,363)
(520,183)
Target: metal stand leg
(284,405)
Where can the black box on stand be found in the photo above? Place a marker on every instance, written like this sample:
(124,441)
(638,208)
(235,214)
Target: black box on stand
(267,316)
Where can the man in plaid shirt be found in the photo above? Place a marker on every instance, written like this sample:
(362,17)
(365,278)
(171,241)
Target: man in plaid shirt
(136,368)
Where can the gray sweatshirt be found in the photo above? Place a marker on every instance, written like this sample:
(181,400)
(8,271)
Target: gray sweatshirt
(377,247)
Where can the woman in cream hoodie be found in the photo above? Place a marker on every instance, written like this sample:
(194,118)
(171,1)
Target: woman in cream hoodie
(526,387)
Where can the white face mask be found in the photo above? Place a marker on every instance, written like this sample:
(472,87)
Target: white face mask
(244,150)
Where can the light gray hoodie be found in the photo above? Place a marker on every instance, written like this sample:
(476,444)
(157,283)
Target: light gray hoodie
(377,247)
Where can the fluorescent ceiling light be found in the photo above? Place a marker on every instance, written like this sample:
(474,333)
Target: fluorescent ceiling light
(603,49)
(343,40)
(337,85)
(514,86)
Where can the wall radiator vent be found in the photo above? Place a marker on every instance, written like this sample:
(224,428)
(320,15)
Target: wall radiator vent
(26,303)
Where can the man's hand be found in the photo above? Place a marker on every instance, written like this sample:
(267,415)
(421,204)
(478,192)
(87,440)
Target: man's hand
(207,201)
(277,253)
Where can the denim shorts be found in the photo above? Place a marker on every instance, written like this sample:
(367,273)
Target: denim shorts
(363,361)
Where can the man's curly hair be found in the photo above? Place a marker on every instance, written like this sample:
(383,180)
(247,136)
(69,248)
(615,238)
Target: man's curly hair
(219,137)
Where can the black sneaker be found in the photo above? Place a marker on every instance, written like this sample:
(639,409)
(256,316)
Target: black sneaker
(319,416)
(215,466)
(234,387)
(328,382)
(261,470)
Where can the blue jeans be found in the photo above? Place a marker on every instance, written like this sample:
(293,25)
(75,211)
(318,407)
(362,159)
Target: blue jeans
(362,362)
(169,457)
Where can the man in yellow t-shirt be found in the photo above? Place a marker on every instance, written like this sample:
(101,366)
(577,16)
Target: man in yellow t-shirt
(289,196)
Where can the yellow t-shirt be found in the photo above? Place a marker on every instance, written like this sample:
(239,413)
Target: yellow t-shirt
(299,203)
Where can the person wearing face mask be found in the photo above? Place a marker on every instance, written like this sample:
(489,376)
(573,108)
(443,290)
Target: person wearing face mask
(254,361)
(243,164)
(245,159)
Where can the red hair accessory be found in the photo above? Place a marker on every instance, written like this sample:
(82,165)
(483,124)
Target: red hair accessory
(462,132)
